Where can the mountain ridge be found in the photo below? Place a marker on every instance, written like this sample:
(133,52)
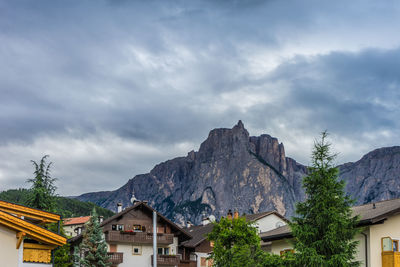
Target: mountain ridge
(233,170)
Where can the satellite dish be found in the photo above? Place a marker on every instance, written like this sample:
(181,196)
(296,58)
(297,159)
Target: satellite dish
(279,224)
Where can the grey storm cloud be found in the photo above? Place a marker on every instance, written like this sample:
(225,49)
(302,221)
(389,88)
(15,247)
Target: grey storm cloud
(111,88)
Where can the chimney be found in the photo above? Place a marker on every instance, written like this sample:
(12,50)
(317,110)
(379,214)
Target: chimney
(373,206)
(230,214)
(119,207)
(101,218)
(236,215)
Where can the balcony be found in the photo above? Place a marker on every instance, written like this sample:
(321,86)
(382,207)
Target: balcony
(115,257)
(166,260)
(138,237)
(188,263)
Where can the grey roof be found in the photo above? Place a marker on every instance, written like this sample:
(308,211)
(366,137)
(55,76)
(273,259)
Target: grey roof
(369,214)
(199,234)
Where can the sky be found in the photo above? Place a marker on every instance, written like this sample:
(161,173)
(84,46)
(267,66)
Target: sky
(111,88)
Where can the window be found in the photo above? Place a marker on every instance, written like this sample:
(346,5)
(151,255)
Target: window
(117,227)
(396,245)
(163,251)
(288,250)
(137,228)
(137,250)
(204,262)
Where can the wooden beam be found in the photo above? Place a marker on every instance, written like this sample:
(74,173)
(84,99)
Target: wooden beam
(20,236)
(27,212)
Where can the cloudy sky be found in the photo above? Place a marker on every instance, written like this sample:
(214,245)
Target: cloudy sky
(110,88)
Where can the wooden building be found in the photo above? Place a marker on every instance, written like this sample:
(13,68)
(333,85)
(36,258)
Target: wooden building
(74,226)
(129,236)
(23,240)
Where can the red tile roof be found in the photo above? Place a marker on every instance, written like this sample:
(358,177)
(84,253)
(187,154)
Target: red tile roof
(76,220)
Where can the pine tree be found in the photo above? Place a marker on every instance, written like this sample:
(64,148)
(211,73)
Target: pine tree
(93,246)
(324,228)
(42,191)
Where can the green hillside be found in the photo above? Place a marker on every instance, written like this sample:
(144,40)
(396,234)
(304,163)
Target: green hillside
(66,207)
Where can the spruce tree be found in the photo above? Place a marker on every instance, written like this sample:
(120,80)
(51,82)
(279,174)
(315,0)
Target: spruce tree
(93,246)
(42,192)
(324,228)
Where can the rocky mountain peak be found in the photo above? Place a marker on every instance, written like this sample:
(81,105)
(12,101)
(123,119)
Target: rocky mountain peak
(223,142)
(233,170)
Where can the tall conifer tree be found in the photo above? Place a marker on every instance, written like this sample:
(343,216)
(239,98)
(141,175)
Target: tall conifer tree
(324,228)
(93,246)
(42,191)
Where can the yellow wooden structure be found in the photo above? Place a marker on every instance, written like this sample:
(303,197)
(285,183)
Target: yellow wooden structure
(390,252)
(41,241)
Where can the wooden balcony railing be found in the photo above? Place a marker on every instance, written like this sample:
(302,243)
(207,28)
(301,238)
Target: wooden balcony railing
(187,263)
(138,237)
(116,257)
(169,260)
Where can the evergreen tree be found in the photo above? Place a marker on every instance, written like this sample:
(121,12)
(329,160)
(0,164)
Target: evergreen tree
(42,191)
(237,244)
(324,228)
(93,246)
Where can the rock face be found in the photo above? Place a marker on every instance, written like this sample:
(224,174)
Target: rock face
(233,170)
(375,177)
(230,171)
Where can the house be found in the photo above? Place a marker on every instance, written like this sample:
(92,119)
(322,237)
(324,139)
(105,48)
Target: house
(23,240)
(196,250)
(378,242)
(74,226)
(129,237)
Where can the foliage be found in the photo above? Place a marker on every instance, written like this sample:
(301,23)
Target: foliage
(66,207)
(237,244)
(62,257)
(42,192)
(324,228)
(70,207)
(93,245)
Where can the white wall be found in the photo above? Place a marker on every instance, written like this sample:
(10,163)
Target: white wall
(143,260)
(391,228)
(360,256)
(279,245)
(8,251)
(269,222)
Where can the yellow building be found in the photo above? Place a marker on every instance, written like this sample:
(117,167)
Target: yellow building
(23,240)
(378,242)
